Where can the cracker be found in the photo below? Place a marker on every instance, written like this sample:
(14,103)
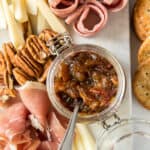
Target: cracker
(144,51)
(141,84)
(142,18)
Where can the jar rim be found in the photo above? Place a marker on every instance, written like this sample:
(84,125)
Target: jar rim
(101,52)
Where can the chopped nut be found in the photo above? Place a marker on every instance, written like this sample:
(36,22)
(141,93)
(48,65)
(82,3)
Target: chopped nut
(47,35)
(46,68)
(7,60)
(2,63)
(1,80)
(8,81)
(11,51)
(37,49)
(36,66)
(6,93)
(24,65)
(20,76)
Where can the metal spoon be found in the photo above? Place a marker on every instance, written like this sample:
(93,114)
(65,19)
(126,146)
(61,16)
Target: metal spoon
(68,138)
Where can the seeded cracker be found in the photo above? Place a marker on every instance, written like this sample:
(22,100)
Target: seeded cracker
(142,19)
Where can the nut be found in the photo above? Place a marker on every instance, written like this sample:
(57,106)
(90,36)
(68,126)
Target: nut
(8,81)
(2,63)
(1,80)
(20,76)
(22,63)
(7,60)
(47,35)
(46,68)
(11,51)
(37,49)
(36,66)
(5,93)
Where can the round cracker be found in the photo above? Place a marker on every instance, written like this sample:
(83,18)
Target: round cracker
(141,84)
(142,18)
(144,51)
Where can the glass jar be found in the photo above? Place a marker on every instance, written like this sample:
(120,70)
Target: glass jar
(124,134)
(89,117)
(129,134)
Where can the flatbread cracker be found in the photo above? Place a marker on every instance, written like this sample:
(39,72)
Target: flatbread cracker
(142,19)
(144,51)
(141,84)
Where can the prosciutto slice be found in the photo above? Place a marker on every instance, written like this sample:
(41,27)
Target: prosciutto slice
(35,98)
(13,121)
(56,128)
(57,131)
(48,145)
(115,5)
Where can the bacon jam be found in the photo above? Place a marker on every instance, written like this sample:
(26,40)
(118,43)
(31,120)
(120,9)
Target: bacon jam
(88,79)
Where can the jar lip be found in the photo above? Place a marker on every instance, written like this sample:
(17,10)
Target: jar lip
(102,52)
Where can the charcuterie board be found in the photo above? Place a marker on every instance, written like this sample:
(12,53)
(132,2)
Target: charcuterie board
(115,37)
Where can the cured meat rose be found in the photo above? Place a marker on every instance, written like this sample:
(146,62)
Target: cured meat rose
(35,98)
(115,5)
(63,8)
(89,18)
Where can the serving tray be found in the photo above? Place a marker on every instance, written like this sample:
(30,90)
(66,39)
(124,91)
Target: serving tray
(114,37)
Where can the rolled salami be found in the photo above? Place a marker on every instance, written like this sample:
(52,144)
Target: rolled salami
(89,18)
(115,5)
(63,8)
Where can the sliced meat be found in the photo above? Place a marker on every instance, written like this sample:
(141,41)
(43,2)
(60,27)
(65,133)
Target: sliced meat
(13,124)
(35,98)
(57,129)
(115,5)
(63,8)
(48,145)
(90,18)
(13,121)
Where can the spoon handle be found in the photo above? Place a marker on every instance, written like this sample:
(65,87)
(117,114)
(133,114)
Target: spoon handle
(68,138)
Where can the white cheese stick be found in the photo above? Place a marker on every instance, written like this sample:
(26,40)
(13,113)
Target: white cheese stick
(54,22)
(79,141)
(74,146)
(3,24)
(20,10)
(15,29)
(41,23)
(32,7)
(86,137)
